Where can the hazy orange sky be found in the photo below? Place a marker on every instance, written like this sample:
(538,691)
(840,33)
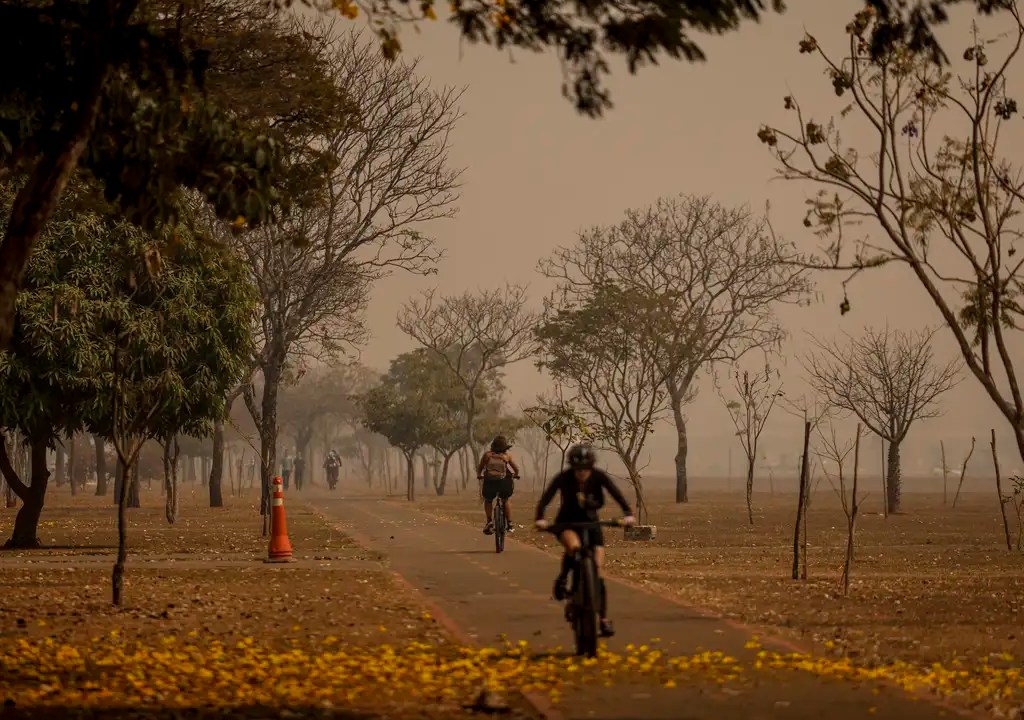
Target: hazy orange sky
(536,173)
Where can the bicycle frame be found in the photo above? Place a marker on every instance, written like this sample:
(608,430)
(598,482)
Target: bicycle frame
(582,605)
(499,518)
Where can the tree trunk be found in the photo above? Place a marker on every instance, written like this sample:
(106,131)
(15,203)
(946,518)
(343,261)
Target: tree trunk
(410,477)
(121,483)
(26,522)
(801,502)
(268,433)
(439,487)
(637,482)
(60,464)
(133,489)
(682,444)
(893,489)
(217,466)
(171,450)
(750,488)
(425,464)
(73,463)
(118,480)
(100,447)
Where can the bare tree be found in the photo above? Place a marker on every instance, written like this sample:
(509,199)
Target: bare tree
(536,444)
(832,451)
(1015,498)
(1003,499)
(963,471)
(717,274)
(887,379)
(475,334)
(617,380)
(812,413)
(390,177)
(754,399)
(941,196)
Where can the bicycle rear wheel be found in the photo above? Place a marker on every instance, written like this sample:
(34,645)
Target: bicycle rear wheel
(499,526)
(585,621)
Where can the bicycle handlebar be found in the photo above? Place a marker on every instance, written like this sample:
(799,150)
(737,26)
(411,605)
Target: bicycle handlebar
(590,524)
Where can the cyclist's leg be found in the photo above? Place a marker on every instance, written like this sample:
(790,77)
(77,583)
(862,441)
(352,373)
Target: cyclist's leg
(489,491)
(571,545)
(508,488)
(607,628)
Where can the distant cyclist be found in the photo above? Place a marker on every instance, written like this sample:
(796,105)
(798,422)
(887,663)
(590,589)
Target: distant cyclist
(493,469)
(332,466)
(582,489)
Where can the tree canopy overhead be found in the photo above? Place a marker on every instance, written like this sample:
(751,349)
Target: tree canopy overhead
(586,34)
(132,93)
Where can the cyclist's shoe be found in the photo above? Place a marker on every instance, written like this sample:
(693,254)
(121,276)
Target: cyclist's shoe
(607,628)
(511,529)
(489,528)
(560,592)
(569,612)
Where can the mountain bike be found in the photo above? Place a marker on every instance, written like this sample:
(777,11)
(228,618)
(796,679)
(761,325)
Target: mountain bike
(500,520)
(582,604)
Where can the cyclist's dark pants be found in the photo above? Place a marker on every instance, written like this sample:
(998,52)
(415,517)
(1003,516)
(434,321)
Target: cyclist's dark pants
(495,487)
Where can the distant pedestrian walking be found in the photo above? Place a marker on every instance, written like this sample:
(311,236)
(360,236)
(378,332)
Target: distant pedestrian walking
(286,468)
(300,467)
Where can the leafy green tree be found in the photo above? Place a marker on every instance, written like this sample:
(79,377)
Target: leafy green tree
(177,334)
(121,333)
(475,335)
(42,393)
(560,421)
(598,345)
(400,410)
(322,395)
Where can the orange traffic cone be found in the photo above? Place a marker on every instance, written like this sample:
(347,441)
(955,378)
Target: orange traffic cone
(280,545)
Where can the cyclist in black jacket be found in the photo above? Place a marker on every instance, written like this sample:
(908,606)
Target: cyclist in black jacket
(582,489)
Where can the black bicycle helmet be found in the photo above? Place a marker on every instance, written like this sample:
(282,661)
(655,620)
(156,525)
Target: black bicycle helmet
(500,444)
(581,457)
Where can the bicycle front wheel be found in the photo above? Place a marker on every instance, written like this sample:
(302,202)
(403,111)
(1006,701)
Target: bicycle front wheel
(586,620)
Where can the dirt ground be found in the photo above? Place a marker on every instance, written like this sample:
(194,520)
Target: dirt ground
(208,628)
(931,585)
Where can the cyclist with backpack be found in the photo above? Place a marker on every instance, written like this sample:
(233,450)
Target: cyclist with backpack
(493,469)
(332,466)
(582,488)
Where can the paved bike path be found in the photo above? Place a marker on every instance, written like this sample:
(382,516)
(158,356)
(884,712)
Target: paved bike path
(488,595)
